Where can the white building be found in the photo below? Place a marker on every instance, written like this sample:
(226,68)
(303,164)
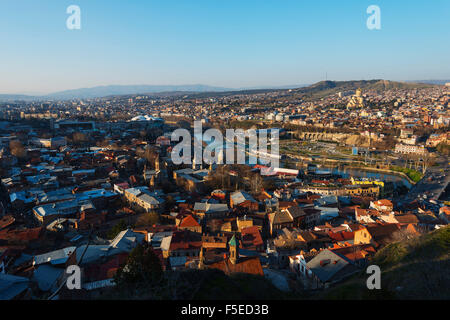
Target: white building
(409,149)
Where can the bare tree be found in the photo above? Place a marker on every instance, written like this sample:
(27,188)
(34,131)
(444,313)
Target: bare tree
(17,149)
(79,138)
(404,234)
(150,155)
(256,183)
(428,160)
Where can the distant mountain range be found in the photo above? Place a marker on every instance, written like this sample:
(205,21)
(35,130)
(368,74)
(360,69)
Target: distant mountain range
(16,97)
(104,91)
(112,90)
(322,88)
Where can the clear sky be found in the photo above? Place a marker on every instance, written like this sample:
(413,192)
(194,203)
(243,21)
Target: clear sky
(229,43)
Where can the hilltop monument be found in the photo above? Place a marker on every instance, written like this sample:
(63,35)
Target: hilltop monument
(356,100)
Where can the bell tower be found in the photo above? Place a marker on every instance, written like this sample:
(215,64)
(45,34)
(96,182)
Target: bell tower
(234,250)
(201,262)
(157,163)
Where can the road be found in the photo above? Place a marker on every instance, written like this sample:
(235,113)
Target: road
(433,183)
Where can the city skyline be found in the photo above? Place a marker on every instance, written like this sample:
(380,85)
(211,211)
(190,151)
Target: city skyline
(235,152)
(218,44)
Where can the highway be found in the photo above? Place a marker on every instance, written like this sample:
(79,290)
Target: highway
(433,184)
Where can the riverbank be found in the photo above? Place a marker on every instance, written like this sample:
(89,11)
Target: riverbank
(412,179)
(414,175)
(385,171)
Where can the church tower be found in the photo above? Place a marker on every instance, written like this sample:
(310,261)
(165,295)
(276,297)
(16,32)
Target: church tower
(157,163)
(234,250)
(201,263)
(152,181)
(197,164)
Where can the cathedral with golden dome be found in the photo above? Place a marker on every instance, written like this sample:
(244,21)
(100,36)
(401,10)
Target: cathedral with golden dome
(356,100)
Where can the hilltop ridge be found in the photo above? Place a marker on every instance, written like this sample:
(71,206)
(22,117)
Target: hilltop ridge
(321,88)
(410,269)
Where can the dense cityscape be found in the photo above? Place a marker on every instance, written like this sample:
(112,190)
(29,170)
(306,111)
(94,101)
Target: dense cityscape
(91,182)
(224,159)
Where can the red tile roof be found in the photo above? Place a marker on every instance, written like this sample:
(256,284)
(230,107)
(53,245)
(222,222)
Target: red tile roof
(383,202)
(184,240)
(250,265)
(382,233)
(21,235)
(189,222)
(106,270)
(407,218)
(341,236)
(6,221)
(250,236)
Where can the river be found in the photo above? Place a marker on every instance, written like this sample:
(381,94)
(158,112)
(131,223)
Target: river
(397,180)
(362,173)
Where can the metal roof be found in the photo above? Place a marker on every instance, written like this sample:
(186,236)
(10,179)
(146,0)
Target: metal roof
(11,286)
(241,196)
(326,264)
(54,257)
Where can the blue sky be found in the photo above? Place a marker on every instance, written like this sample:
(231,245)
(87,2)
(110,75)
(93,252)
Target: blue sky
(229,43)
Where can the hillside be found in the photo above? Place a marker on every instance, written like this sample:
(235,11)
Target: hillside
(113,90)
(321,89)
(317,90)
(411,269)
(324,88)
(16,97)
(103,91)
(204,285)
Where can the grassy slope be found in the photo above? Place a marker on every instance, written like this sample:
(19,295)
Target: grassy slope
(419,266)
(325,88)
(413,269)
(204,285)
(239,287)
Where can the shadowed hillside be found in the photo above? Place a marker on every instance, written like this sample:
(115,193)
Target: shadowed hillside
(202,285)
(412,269)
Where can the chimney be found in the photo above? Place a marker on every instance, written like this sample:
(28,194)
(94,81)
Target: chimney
(323,263)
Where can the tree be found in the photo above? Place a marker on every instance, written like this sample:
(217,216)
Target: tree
(170,203)
(427,161)
(150,155)
(404,234)
(183,124)
(148,219)
(153,133)
(443,148)
(17,149)
(120,226)
(269,184)
(102,143)
(79,138)
(143,268)
(256,183)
